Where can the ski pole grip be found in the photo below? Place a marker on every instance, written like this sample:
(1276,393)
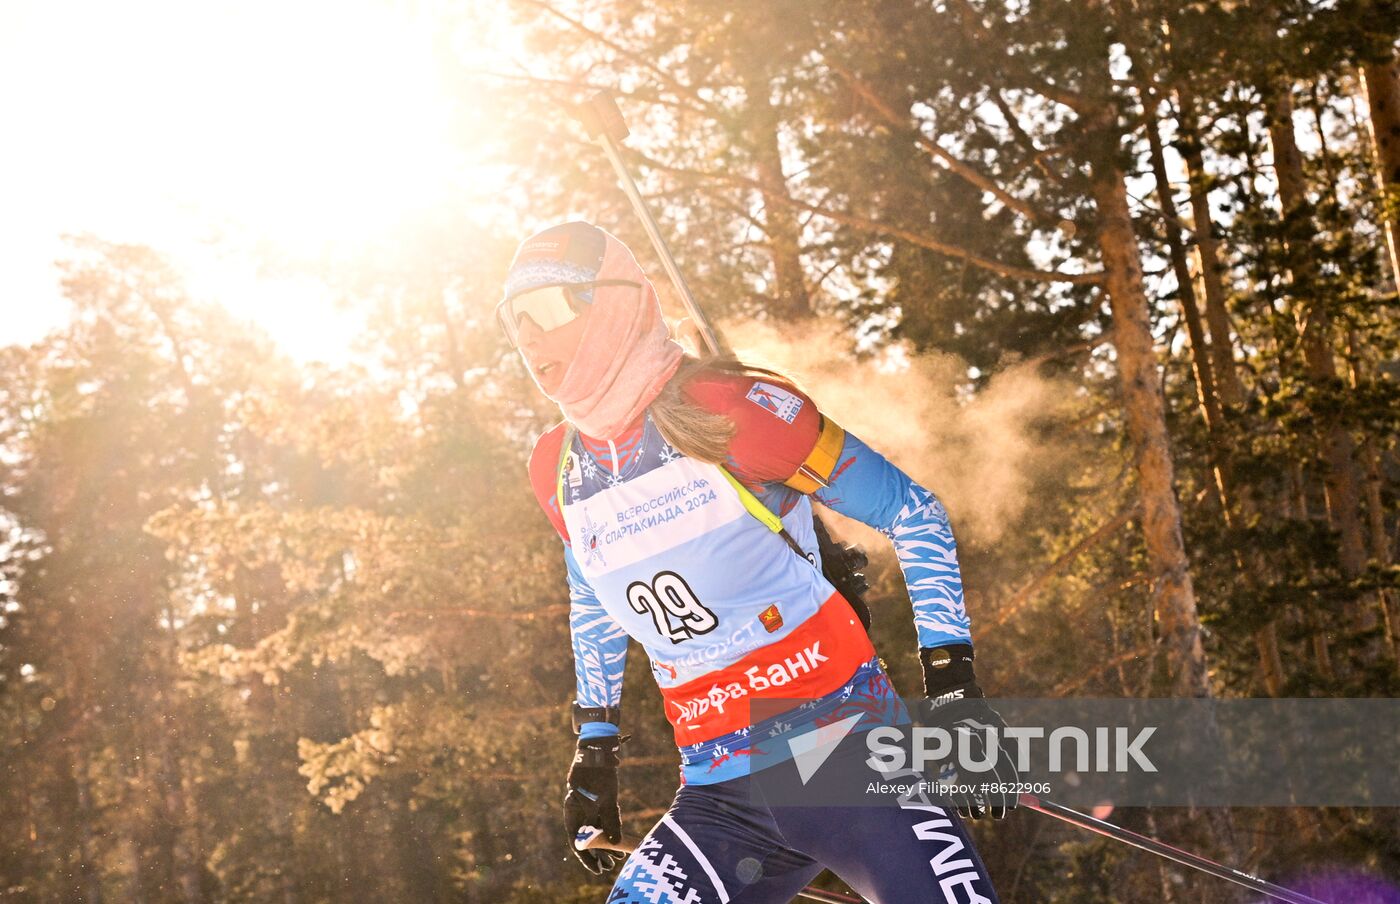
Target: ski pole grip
(601,117)
(592,837)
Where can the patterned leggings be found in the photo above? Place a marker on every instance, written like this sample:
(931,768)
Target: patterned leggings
(724,844)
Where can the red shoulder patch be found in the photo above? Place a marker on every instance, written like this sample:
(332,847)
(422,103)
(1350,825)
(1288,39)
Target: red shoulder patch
(776,424)
(544,475)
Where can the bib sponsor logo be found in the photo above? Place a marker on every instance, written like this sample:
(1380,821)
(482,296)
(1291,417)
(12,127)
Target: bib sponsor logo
(755,678)
(743,639)
(809,658)
(775,400)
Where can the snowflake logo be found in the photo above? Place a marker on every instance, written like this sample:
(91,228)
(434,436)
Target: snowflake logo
(590,467)
(668,454)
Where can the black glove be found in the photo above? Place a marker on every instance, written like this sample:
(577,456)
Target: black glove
(590,799)
(955,703)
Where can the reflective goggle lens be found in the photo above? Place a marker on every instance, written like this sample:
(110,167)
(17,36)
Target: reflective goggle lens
(550,308)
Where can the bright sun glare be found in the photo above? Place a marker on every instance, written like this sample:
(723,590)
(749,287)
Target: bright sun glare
(299,125)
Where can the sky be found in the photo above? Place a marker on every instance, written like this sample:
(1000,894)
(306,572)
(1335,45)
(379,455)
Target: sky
(224,133)
(216,132)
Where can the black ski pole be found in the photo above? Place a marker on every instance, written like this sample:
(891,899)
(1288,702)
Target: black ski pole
(603,122)
(1153,846)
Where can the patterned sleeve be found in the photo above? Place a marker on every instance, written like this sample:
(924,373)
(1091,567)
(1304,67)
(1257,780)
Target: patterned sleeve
(867,487)
(776,427)
(600,649)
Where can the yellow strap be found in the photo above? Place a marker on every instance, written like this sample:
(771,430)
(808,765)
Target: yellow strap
(564,450)
(815,472)
(753,506)
(746,496)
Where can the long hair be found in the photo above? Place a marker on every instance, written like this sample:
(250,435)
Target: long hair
(690,429)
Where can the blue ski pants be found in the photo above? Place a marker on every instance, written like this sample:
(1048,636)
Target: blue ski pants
(725,844)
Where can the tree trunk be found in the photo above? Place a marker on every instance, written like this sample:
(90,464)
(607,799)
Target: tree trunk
(178,809)
(1165,869)
(1270,662)
(1380,545)
(1377,535)
(1232,390)
(1191,311)
(1145,407)
(176,804)
(789,294)
(455,362)
(1381,86)
(133,892)
(1227,379)
(1314,326)
(29,847)
(87,877)
(418,860)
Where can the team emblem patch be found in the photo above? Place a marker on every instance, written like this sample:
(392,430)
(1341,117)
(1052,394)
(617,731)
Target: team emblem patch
(592,541)
(775,400)
(771,618)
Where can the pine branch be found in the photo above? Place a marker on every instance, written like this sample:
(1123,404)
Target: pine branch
(1024,138)
(867,224)
(634,56)
(1075,684)
(967,172)
(1078,348)
(1014,124)
(826,274)
(1021,598)
(971,23)
(576,85)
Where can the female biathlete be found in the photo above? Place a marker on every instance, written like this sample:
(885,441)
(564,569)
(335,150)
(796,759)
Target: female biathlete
(654,482)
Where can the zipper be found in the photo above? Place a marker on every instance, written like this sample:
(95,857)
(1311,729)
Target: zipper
(613,450)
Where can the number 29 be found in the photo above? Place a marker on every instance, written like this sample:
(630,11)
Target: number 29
(675,610)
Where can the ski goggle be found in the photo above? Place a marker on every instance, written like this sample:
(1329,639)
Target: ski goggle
(549,307)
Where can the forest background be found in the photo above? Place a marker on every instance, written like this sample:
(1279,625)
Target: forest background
(1115,278)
